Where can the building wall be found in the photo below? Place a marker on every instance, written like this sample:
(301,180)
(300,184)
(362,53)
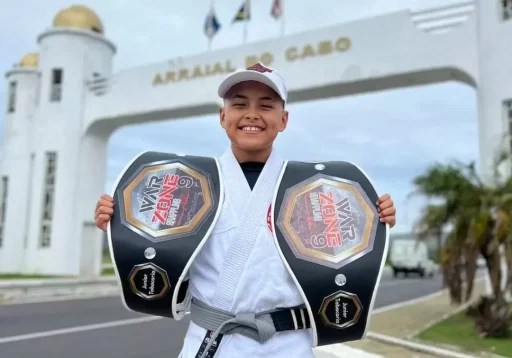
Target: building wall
(16,167)
(57,133)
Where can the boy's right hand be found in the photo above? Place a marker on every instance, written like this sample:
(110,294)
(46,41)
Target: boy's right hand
(104,211)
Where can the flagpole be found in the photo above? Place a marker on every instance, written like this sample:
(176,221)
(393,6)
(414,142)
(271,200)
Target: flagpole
(210,38)
(282,18)
(246,11)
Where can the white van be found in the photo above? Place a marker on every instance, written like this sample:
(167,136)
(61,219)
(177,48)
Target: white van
(411,256)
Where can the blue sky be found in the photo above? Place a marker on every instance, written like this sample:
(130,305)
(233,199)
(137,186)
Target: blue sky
(393,135)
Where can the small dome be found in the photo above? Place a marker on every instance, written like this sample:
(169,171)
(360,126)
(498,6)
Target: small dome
(30,60)
(78,16)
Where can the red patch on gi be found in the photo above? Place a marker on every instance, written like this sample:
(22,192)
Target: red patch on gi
(269,218)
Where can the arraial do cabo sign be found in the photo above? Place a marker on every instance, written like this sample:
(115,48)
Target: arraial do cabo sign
(290,54)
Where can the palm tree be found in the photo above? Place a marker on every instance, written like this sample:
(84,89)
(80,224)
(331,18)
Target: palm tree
(477,216)
(456,187)
(432,224)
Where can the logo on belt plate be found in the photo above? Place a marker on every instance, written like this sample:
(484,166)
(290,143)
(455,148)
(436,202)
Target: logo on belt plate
(328,221)
(166,201)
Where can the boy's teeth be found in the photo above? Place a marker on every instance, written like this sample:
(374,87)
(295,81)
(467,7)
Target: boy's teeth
(251,129)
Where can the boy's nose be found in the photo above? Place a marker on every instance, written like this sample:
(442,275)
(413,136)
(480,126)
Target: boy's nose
(252,114)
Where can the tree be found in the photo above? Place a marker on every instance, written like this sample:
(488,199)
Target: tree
(432,223)
(477,216)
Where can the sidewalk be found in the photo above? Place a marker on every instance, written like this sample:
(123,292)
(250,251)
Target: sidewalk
(39,290)
(404,322)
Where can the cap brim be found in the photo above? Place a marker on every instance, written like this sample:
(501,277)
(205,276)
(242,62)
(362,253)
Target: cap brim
(243,76)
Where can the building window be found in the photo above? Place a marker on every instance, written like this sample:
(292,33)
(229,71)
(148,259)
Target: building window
(29,197)
(506,9)
(3,207)
(56,88)
(48,196)
(11,103)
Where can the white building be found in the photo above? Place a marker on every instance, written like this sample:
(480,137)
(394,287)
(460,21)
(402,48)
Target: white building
(64,102)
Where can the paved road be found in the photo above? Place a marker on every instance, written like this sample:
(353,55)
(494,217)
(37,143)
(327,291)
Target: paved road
(35,324)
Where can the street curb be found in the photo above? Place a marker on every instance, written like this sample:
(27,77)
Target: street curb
(54,282)
(47,290)
(421,348)
(9,300)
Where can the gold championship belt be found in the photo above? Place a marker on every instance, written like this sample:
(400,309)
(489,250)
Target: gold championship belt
(165,207)
(326,225)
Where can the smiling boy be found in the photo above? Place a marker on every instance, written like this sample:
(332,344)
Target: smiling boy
(239,269)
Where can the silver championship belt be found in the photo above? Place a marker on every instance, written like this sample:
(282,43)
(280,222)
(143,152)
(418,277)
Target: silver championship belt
(165,206)
(327,228)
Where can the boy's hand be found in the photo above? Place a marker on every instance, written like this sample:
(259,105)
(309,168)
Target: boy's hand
(387,210)
(104,211)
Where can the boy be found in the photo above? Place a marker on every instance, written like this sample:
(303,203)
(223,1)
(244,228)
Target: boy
(239,271)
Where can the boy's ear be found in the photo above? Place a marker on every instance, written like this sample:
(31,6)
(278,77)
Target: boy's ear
(222,116)
(284,121)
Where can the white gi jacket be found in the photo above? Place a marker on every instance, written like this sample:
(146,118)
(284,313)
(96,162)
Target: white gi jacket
(239,268)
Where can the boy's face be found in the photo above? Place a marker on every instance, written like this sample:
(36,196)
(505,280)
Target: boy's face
(252,116)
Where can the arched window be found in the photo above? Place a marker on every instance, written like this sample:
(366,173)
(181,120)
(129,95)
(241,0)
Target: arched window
(56,85)
(11,102)
(48,197)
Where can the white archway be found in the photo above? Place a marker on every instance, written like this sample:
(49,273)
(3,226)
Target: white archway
(389,51)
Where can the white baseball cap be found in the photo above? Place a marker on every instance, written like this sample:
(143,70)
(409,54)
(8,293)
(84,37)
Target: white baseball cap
(259,73)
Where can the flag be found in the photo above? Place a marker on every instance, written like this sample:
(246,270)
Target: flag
(277,10)
(211,24)
(243,13)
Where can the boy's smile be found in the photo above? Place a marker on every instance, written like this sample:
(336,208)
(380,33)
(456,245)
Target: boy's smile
(251,129)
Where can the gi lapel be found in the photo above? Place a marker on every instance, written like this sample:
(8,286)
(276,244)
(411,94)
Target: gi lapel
(235,183)
(252,209)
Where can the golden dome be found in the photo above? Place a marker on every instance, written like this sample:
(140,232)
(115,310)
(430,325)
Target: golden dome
(30,60)
(78,16)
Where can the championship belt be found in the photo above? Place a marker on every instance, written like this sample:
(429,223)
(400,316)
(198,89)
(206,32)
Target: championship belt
(165,206)
(327,228)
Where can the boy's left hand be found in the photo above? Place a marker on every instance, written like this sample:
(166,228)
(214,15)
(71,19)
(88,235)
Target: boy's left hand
(387,210)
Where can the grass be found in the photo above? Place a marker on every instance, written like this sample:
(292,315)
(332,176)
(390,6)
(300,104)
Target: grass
(106,257)
(107,260)
(107,272)
(458,330)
